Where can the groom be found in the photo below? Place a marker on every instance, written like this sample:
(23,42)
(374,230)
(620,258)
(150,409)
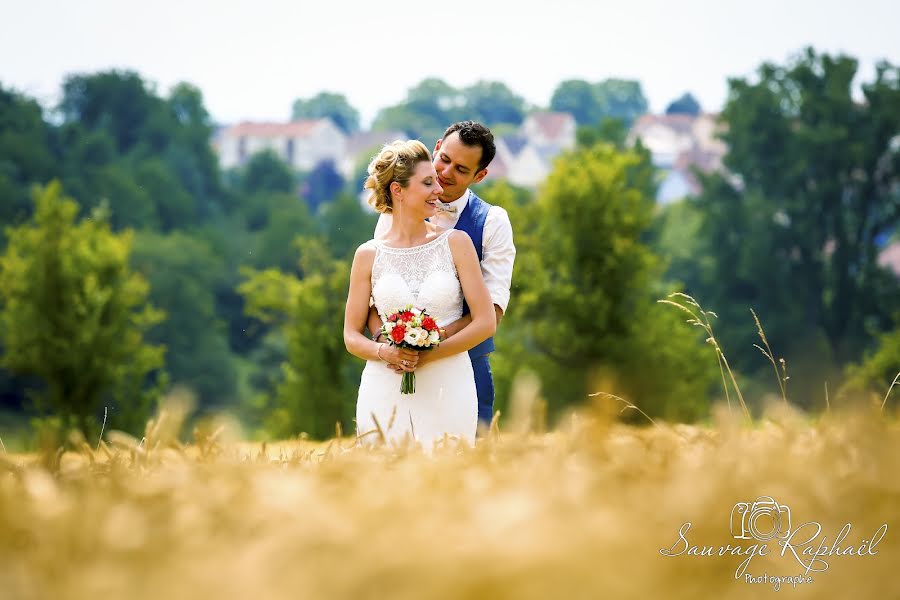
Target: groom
(461,159)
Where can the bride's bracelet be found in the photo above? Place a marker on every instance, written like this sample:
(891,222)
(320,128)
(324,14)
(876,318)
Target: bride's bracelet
(378,353)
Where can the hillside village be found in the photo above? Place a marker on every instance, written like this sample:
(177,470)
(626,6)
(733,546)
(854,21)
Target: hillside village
(678,143)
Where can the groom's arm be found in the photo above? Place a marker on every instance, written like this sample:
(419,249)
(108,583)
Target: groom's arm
(457,325)
(373,323)
(498,257)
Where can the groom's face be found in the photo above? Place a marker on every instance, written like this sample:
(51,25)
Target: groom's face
(457,166)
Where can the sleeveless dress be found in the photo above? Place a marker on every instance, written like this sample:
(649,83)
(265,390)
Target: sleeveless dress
(445,401)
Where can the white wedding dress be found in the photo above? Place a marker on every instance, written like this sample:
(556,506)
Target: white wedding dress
(445,401)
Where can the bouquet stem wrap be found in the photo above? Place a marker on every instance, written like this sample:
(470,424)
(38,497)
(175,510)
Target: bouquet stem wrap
(413,329)
(408,383)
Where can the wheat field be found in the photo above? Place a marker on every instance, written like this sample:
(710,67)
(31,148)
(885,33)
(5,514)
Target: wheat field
(580,512)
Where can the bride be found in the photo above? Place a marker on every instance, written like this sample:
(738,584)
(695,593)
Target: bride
(432,268)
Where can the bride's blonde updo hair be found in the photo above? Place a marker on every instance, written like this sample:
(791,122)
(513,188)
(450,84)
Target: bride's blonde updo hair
(396,162)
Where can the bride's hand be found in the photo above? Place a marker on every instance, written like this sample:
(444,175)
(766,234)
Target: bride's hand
(398,359)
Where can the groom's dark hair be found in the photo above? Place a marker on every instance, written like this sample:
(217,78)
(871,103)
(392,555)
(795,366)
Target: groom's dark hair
(472,133)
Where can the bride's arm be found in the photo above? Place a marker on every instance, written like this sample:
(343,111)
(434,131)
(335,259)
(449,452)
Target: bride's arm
(484,321)
(462,322)
(357,311)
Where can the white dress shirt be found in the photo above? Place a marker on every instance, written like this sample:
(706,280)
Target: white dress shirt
(497,250)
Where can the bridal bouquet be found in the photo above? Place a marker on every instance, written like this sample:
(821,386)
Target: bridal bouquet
(411,328)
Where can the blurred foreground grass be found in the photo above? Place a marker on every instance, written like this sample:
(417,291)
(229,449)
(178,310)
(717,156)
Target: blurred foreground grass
(581,512)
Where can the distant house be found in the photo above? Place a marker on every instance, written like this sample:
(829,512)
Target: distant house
(550,131)
(302,144)
(521,161)
(525,158)
(498,169)
(362,146)
(679,143)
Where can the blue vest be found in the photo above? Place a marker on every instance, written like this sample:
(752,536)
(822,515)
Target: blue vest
(472,222)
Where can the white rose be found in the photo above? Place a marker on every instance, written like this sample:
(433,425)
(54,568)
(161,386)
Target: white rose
(434,337)
(415,336)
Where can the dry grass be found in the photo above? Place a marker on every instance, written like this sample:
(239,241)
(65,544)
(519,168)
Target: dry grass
(577,513)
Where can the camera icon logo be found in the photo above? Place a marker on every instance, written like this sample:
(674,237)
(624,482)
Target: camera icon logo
(762,520)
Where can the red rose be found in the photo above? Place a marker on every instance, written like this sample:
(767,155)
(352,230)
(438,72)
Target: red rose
(406,316)
(393,318)
(429,324)
(398,333)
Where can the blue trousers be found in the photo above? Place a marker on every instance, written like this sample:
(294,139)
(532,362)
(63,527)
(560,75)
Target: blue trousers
(484,386)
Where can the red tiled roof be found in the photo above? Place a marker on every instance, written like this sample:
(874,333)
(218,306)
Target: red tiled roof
(679,122)
(292,129)
(551,123)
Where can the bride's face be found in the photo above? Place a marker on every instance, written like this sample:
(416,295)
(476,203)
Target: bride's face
(423,191)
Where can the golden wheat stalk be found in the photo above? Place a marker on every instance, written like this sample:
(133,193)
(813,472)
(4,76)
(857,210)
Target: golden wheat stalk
(102,428)
(783,377)
(706,324)
(896,379)
(625,402)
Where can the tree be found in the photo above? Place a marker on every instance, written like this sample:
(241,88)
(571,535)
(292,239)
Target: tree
(319,379)
(621,99)
(286,218)
(493,103)
(401,117)
(578,98)
(189,153)
(436,98)
(686,104)
(266,172)
(117,102)
(121,107)
(586,286)
(429,108)
(676,235)
(609,130)
(75,315)
(327,105)
(875,373)
(184,274)
(345,224)
(322,184)
(129,204)
(25,154)
(814,184)
(589,103)
(174,206)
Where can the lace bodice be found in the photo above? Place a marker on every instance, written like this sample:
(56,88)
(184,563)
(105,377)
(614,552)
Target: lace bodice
(424,276)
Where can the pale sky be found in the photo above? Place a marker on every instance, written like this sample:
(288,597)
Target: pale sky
(252,59)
